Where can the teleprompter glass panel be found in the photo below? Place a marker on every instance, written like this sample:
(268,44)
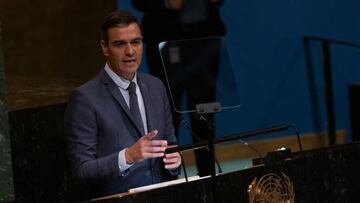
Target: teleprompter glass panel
(199,71)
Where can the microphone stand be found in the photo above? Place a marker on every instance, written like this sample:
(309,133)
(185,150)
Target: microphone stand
(227,138)
(207,108)
(241,140)
(212,161)
(198,139)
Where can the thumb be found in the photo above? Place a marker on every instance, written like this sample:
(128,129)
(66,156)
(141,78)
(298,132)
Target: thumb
(151,135)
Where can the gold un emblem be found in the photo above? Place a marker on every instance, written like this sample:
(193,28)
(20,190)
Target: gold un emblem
(271,188)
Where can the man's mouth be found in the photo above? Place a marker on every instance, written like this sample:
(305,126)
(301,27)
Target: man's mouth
(129,61)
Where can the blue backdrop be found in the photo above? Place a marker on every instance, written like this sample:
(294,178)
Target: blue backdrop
(265,44)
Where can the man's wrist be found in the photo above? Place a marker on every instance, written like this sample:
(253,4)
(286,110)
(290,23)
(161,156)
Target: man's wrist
(123,166)
(128,158)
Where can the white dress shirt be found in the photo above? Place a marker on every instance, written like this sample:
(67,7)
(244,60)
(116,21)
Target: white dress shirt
(123,84)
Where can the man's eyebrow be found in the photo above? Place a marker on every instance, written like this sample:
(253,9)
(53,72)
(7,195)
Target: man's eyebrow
(138,38)
(123,41)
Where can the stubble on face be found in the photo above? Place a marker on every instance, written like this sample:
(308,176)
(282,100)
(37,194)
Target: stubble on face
(124,50)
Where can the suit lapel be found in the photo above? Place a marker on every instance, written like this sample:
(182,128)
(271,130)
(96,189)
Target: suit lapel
(147,102)
(115,92)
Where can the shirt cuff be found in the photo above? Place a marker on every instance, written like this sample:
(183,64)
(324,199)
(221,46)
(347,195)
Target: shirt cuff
(123,166)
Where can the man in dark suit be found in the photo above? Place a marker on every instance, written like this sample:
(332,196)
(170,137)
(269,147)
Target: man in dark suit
(119,124)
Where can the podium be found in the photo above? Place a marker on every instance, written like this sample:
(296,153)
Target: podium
(324,175)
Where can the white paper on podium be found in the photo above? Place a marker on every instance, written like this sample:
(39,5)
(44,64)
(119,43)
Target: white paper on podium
(164,184)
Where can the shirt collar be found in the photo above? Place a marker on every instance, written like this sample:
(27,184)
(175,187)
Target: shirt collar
(119,81)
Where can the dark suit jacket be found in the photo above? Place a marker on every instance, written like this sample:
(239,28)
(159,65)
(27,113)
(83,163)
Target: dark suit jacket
(98,125)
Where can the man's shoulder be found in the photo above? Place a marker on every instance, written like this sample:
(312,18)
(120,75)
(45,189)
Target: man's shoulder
(90,85)
(149,79)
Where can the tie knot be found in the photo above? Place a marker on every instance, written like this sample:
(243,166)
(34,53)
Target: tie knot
(132,87)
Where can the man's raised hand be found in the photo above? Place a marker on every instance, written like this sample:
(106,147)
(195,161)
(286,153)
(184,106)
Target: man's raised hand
(145,148)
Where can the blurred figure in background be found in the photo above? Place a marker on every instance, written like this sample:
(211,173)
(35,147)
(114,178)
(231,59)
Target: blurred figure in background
(166,20)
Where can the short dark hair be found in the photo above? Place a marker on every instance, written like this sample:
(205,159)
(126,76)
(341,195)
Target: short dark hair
(117,19)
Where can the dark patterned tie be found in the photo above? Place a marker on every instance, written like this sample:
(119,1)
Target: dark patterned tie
(134,106)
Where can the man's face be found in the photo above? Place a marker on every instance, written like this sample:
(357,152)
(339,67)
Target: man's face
(124,49)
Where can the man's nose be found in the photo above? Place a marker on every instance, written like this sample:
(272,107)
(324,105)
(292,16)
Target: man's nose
(129,50)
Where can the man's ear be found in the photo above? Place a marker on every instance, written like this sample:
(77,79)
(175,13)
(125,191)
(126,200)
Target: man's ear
(104,47)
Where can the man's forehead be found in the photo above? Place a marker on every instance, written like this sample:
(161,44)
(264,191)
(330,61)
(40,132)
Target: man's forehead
(133,27)
(127,25)
(130,31)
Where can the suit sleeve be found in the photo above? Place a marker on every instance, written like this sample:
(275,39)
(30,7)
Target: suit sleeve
(81,133)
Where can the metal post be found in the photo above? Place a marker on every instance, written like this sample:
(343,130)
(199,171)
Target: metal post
(329,92)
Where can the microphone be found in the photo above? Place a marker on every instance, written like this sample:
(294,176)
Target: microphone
(236,136)
(186,124)
(254,133)
(202,118)
(297,136)
(271,157)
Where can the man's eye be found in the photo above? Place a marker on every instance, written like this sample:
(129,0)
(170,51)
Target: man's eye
(119,44)
(136,42)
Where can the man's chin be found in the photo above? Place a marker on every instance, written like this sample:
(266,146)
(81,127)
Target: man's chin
(131,66)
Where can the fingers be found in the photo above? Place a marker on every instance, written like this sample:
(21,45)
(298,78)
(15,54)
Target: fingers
(172,160)
(146,140)
(145,148)
(136,153)
(172,166)
(172,155)
(153,155)
(162,143)
(154,149)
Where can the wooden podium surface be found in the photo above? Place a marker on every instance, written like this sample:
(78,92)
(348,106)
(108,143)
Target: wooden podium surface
(323,175)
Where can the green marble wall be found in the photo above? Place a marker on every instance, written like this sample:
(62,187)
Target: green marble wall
(6,177)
